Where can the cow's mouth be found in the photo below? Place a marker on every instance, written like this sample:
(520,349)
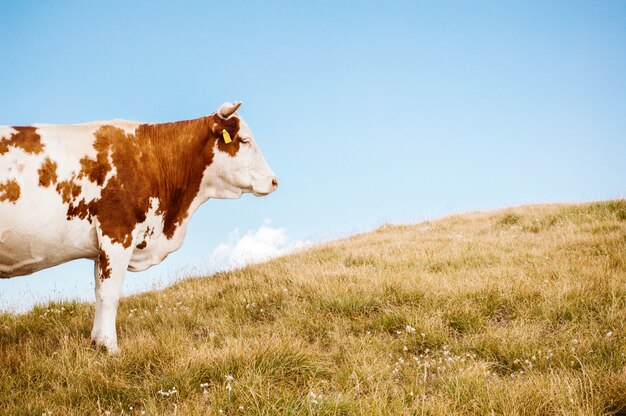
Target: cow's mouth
(268,190)
(255,193)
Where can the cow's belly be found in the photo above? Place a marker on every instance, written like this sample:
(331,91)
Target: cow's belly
(35,234)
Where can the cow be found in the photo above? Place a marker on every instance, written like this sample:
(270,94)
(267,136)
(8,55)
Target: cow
(118,192)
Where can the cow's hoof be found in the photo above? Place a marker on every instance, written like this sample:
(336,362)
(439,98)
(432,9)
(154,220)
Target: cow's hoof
(110,347)
(112,350)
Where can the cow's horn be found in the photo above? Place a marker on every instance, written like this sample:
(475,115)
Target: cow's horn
(227,110)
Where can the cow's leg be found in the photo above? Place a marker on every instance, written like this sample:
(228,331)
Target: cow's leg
(97,320)
(110,270)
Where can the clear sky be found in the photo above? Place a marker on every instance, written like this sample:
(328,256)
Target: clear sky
(369,112)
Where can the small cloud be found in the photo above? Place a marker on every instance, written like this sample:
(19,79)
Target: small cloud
(253,247)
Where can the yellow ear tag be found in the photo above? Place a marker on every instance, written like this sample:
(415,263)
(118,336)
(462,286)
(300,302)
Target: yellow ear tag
(226,136)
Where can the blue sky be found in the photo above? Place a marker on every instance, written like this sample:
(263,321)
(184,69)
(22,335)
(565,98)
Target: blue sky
(369,112)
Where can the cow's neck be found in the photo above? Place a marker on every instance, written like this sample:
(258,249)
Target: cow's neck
(179,153)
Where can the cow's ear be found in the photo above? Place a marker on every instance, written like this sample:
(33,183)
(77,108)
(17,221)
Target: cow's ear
(228,109)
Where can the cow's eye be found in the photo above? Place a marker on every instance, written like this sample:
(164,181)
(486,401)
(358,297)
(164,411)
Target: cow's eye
(244,139)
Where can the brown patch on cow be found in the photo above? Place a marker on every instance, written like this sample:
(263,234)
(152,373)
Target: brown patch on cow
(26,138)
(96,169)
(162,161)
(146,235)
(69,191)
(9,191)
(104,265)
(47,173)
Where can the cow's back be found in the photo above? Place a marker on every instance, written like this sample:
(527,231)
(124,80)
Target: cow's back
(41,179)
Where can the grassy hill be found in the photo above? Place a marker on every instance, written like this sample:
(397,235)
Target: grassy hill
(520,311)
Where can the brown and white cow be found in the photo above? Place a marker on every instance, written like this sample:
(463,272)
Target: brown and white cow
(119,192)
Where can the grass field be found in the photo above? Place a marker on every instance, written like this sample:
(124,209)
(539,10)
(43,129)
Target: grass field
(520,311)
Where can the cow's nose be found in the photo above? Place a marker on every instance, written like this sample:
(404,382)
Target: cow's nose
(275,182)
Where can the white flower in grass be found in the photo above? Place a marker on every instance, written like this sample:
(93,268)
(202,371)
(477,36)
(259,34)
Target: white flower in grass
(609,334)
(314,397)
(409,329)
(168,393)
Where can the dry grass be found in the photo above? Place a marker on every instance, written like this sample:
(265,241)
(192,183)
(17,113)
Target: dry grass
(520,311)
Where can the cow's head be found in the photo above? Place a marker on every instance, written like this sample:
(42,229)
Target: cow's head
(238,166)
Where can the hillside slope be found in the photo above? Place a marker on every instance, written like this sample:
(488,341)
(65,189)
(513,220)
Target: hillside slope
(520,311)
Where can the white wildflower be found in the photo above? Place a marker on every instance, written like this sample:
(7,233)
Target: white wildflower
(314,397)
(168,393)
